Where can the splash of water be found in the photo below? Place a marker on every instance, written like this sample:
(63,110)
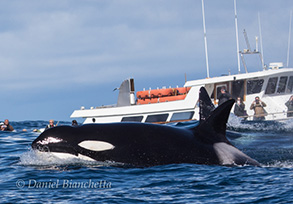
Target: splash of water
(47,160)
(238,124)
(280,164)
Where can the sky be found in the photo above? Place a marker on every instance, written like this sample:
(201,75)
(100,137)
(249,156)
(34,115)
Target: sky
(59,55)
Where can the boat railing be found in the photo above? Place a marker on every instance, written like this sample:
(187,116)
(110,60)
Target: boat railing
(105,106)
(273,115)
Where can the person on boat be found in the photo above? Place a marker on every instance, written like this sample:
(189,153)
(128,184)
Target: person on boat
(51,124)
(224,96)
(74,123)
(239,108)
(289,105)
(6,126)
(258,107)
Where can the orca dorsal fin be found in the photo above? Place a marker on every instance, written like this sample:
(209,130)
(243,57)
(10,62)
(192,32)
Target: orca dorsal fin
(205,104)
(213,128)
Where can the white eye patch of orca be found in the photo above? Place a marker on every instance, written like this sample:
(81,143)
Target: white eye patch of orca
(97,146)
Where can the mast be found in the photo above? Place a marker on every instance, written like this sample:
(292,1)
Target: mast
(248,51)
(289,39)
(205,39)
(237,40)
(261,47)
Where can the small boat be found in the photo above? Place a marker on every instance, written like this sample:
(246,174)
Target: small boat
(274,86)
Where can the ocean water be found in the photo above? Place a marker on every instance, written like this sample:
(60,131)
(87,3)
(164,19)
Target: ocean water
(28,178)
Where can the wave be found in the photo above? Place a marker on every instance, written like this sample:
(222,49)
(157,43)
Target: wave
(279,164)
(238,124)
(47,160)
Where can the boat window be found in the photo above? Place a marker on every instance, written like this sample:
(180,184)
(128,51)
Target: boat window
(132,119)
(212,94)
(218,90)
(271,87)
(182,116)
(254,86)
(282,84)
(219,87)
(238,89)
(157,118)
(290,85)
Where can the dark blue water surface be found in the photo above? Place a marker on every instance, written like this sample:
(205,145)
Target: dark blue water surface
(28,178)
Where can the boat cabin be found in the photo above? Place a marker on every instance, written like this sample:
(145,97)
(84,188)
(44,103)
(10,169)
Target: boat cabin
(273,86)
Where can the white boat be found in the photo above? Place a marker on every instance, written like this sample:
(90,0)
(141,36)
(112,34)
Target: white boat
(274,86)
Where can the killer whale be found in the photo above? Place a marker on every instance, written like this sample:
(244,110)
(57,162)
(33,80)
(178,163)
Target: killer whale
(143,145)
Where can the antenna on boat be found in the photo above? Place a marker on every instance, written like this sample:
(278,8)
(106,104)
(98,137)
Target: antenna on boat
(205,39)
(246,40)
(256,43)
(245,51)
(237,38)
(248,51)
(261,47)
(289,38)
